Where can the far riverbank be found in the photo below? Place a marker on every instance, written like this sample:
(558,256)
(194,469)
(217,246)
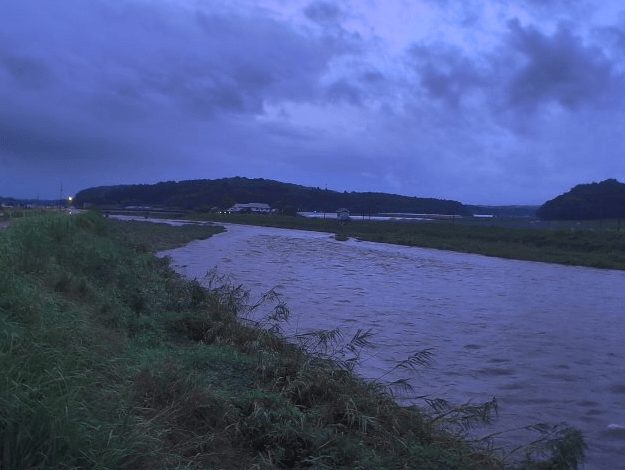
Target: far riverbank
(596,244)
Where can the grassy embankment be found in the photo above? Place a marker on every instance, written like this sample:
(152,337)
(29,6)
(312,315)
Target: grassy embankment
(108,359)
(599,244)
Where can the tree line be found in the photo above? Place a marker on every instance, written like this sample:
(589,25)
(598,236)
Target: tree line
(604,200)
(219,194)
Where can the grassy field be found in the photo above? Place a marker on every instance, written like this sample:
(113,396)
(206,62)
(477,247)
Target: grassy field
(109,360)
(598,244)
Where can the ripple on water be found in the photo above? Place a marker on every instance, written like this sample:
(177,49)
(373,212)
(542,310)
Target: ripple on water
(588,403)
(519,385)
(495,371)
(618,388)
(543,317)
(569,378)
(499,360)
(537,401)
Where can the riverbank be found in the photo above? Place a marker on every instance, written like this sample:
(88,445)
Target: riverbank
(596,244)
(111,360)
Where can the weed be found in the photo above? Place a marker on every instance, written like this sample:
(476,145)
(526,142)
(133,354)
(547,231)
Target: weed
(558,447)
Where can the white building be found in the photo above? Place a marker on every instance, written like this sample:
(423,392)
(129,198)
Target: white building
(255,207)
(342,214)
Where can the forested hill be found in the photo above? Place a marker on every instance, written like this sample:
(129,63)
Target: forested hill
(605,200)
(223,193)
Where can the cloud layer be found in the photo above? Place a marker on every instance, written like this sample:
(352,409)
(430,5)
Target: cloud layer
(477,101)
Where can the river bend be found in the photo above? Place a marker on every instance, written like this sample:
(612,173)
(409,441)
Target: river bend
(545,340)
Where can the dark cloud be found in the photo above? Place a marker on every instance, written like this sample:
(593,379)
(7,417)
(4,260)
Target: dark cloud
(528,71)
(124,76)
(222,63)
(558,68)
(343,91)
(27,72)
(139,59)
(613,38)
(466,14)
(551,6)
(553,11)
(445,72)
(130,91)
(324,12)
(288,133)
(266,60)
(69,144)
(372,77)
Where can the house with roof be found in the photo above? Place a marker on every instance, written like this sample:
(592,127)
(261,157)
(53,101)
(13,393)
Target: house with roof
(342,214)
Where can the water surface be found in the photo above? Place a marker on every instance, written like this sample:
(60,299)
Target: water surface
(545,340)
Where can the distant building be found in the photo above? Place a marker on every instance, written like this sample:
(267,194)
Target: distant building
(342,214)
(255,207)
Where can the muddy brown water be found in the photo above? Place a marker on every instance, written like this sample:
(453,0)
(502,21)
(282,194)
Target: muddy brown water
(546,340)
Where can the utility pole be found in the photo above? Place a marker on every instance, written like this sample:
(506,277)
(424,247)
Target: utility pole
(61,197)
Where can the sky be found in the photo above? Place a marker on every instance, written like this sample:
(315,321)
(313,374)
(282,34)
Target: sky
(481,101)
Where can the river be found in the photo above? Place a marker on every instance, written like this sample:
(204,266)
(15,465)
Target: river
(545,340)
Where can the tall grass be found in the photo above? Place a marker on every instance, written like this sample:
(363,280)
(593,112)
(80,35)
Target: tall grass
(108,359)
(51,413)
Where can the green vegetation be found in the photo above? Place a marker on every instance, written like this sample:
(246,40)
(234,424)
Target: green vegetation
(605,200)
(599,244)
(110,360)
(150,237)
(605,249)
(204,195)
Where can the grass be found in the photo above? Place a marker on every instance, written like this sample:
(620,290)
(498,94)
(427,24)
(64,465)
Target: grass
(146,236)
(110,360)
(598,244)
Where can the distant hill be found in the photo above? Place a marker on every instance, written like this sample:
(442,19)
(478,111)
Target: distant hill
(223,193)
(605,200)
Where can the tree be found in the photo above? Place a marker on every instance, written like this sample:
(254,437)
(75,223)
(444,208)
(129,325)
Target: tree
(226,203)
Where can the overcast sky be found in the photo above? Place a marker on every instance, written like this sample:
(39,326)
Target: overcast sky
(480,101)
